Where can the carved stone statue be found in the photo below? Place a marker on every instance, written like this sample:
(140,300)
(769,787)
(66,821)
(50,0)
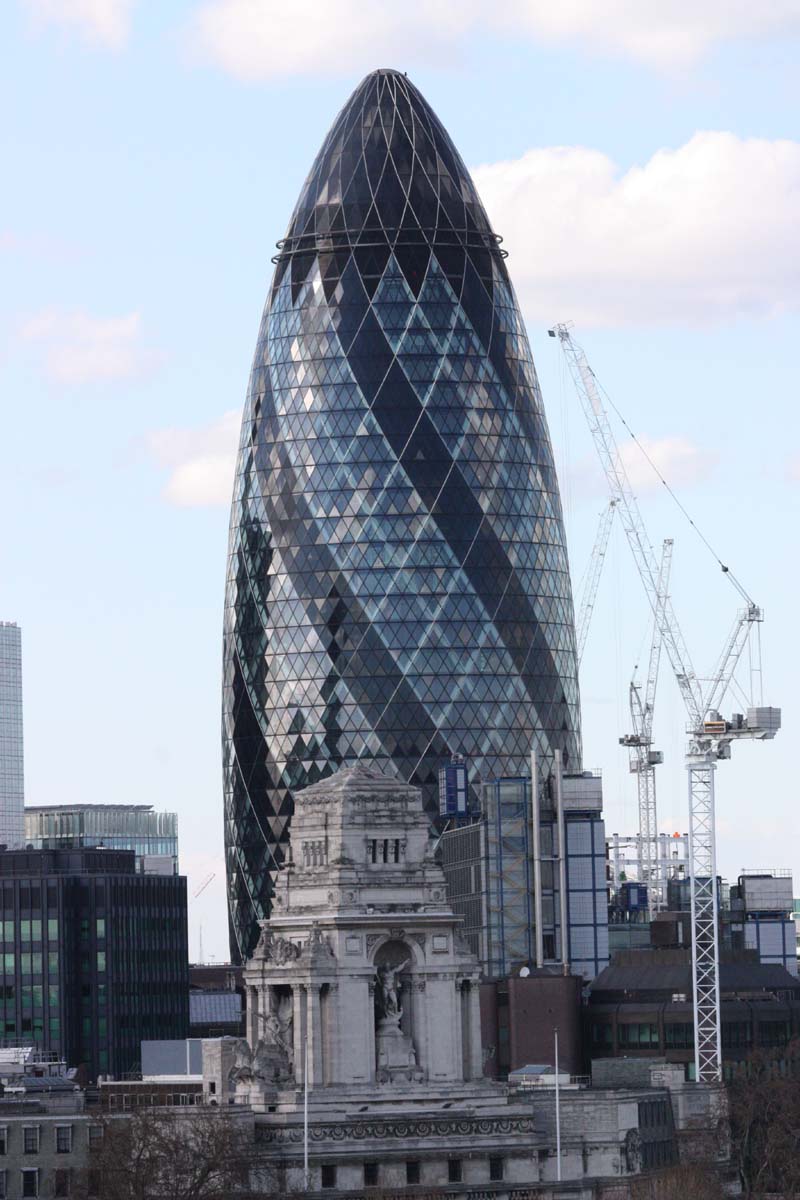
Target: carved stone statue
(275,949)
(396,1056)
(283,951)
(632,1150)
(389,1001)
(279,1027)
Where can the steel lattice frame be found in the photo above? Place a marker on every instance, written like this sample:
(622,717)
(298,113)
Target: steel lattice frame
(705,940)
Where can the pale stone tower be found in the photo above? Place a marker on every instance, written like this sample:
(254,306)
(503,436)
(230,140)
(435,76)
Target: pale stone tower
(361,976)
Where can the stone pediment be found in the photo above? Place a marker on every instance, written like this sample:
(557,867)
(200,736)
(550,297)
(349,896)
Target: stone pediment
(356,780)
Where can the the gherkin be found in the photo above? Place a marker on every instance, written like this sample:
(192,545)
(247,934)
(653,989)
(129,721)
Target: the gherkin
(398,588)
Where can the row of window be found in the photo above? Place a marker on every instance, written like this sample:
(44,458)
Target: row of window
(32,1183)
(32,1137)
(31,930)
(372,1172)
(643,1035)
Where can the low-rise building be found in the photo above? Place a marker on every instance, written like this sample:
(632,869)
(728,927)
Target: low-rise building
(641,1006)
(93,956)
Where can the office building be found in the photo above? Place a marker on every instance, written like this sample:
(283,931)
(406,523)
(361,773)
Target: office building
(153,836)
(398,590)
(493,875)
(759,916)
(641,1005)
(94,956)
(12,790)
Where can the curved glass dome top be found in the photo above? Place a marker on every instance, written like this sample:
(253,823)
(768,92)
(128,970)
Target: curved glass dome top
(398,588)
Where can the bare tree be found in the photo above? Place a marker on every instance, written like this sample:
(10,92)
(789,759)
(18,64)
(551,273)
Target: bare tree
(765,1123)
(691,1181)
(191,1154)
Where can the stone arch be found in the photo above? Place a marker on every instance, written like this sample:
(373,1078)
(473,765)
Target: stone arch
(400,943)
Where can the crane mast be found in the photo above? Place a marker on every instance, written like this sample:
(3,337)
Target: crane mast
(710,736)
(592,578)
(643,758)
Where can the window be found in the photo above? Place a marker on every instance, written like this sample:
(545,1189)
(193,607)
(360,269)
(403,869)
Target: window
(62,1183)
(495,1168)
(412,1171)
(30,1181)
(63,1139)
(454,1170)
(30,1140)
(679,1037)
(328,1175)
(602,1034)
(736,1034)
(773,1033)
(370,1174)
(3,1139)
(95,1136)
(641,1035)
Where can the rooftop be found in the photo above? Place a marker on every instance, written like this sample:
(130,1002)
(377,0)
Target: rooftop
(215,1008)
(70,808)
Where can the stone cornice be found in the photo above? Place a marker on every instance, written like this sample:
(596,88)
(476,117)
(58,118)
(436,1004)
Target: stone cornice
(398,1127)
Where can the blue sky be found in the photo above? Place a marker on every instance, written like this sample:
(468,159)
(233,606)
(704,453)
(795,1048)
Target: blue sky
(644,168)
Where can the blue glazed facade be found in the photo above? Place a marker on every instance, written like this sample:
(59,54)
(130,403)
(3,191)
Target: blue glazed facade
(398,587)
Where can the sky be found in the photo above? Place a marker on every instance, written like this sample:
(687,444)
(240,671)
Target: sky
(641,160)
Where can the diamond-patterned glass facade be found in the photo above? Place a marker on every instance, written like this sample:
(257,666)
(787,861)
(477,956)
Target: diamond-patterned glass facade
(398,587)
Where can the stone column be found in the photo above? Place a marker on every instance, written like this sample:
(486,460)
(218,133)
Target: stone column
(314,1033)
(419,1023)
(370,1029)
(330,1035)
(298,1024)
(457,1050)
(253,1033)
(475,1044)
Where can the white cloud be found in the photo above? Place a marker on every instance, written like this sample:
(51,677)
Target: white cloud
(103,21)
(79,348)
(704,232)
(677,459)
(267,39)
(200,461)
(674,457)
(662,34)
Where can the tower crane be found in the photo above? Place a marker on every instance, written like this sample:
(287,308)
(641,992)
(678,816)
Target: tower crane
(710,736)
(591,579)
(643,758)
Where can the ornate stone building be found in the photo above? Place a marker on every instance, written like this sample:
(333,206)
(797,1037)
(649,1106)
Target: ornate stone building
(362,985)
(362,1003)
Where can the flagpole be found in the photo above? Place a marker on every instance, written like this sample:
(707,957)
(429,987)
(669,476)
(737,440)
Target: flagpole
(558,1115)
(306,1179)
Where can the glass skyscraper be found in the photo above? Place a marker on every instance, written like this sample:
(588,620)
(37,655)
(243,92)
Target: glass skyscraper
(12,791)
(398,588)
